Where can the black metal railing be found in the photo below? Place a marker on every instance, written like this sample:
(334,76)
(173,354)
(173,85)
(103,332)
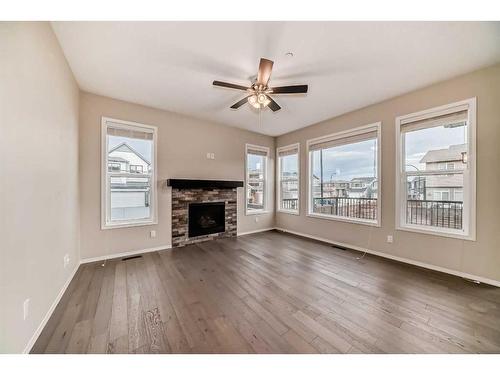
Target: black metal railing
(289,203)
(444,214)
(359,208)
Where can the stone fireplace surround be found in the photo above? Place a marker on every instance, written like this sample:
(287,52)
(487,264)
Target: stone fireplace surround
(186,191)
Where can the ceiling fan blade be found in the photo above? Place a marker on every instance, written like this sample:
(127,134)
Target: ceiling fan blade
(230,85)
(265,69)
(297,89)
(273,105)
(240,103)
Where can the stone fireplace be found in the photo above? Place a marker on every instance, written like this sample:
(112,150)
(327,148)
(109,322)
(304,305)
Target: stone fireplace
(203,210)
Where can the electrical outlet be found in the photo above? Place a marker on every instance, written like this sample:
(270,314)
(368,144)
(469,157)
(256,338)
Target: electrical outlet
(208,155)
(152,234)
(212,156)
(389,239)
(66,260)
(26,307)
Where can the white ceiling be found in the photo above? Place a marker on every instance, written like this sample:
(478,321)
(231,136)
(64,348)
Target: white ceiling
(348,65)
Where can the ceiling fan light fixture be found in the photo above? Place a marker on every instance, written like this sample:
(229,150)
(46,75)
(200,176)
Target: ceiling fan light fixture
(254,101)
(261,98)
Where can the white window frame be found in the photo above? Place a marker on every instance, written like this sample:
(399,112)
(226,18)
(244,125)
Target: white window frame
(376,126)
(264,210)
(468,231)
(106,223)
(295,146)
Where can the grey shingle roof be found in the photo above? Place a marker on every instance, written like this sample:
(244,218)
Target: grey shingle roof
(454,152)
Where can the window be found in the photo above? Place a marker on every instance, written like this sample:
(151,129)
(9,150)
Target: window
(136,169)
(129,175)
(344,169)
(114,167)
(256,179)
(436,170)
(288,178)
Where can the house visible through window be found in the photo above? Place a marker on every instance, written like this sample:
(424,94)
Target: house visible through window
(436,170)
(288,178)
(256,170)
(343,175)
(129,183)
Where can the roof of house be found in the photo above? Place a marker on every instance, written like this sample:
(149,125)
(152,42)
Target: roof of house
(117,158)
(363,179)
(361,189)
(124,147)
(454,152)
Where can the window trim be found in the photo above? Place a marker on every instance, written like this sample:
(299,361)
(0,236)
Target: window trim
(469,217)
(278,179)
(265,149)
(105,223)
(376,126)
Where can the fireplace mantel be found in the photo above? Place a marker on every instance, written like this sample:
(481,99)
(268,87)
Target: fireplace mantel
(184,183)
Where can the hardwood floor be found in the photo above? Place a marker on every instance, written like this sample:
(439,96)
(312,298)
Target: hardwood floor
(270,293)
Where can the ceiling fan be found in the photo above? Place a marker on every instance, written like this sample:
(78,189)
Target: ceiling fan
(259,92)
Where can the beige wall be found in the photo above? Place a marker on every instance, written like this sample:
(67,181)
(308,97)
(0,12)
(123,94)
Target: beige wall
(183,143)
(482,257)
(39,220)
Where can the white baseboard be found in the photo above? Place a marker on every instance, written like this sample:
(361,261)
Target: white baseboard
(125,254)
(399,259)
(47,316)
(255,231)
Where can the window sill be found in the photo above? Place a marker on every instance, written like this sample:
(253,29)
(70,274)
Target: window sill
(436,232)
(289,212)
(128,224)
(345,220)
(256,212)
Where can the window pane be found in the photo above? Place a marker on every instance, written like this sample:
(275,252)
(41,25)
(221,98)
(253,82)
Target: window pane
(255,197)
(255,167)
(437,148)
(344,181)
(289,182)
(130,198)
(435,200)
(255,183)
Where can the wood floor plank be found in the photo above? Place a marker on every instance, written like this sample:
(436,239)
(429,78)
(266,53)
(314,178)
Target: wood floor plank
(270,293)
(80,337)
(100,324)
(62,332)
(118,325)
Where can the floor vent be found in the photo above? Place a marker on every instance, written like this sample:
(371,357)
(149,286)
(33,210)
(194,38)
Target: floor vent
(133,257)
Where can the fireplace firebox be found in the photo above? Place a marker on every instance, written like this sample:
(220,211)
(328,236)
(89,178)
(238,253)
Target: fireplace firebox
(206,218)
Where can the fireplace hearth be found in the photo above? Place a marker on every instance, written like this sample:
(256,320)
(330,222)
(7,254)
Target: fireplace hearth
(206,218)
